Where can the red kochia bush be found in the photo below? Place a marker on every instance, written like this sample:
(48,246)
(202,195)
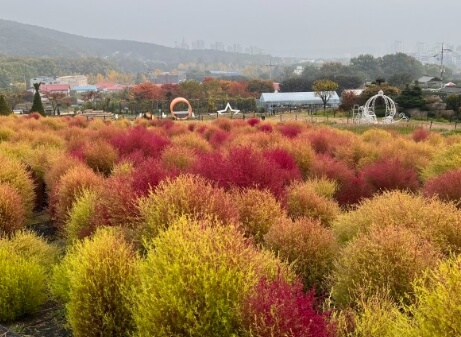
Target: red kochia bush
(290,129)
(447,186)
(325,140)
(148,174)
(253,121)
(217,137)
(350,186)
(285,161)
(420,135)
(265,127)
(278,308)
(248,168)
(139,143)
(116,205)
(389,174)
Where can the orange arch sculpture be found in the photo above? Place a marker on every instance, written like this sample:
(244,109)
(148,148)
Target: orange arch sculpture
(180,100)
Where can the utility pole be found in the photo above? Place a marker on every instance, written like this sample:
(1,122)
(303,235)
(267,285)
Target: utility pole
(442,69)
(270,65)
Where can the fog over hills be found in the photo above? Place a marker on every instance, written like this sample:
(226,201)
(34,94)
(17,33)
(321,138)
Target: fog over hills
(17,39)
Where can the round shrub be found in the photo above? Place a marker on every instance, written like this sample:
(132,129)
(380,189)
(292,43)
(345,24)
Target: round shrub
(420,135)
(188,195)
(377,316)
(302,200)
(78,223)
(12,212)
(100,156)
(350,187)
(70,186)
(280,308)
(13,173)
(258,211)
(436,220)
(95,279)
(30,246)
(22,284)
(177,158)
(446,186)
(139,143)
(444,160)
(385,259)
(307,245)
(389,174)
(192,141)
(148,174)
(58,168)
(438,304)
(302,153)
(246,167)
(194,279)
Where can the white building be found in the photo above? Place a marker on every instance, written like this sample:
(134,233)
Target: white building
(306,100)
(73,81)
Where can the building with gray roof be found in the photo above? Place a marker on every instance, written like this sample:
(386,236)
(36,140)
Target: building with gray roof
(307,100)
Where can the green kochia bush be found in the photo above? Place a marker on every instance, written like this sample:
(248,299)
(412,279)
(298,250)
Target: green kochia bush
(438,308)
(437,221)
(194,279)
(78,224)
(384,260)
(308,245)
(258,211)
(13,173)
(12,213)
(435,313)
(95,279)
(189,195)
(22,284)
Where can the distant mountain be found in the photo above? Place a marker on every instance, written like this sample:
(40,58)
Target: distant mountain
(17,39)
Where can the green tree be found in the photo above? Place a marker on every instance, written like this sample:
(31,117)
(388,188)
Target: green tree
(324,89)
(37,105)
(366,65)
(453,102)
(257,87)
(4,107)
(411,97)
(401,63)
(400,79)
(295,84)
(373,89)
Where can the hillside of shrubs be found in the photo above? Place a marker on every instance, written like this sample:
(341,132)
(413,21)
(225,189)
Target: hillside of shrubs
(230,228)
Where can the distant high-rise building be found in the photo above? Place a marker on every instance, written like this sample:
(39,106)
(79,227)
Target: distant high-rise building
(198,44)
(398,47)
(217,46)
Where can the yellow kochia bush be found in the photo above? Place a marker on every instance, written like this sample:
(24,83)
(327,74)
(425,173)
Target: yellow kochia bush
(438,221)
(95,279)
(31,246)
(13,173)
(304,200)
(385,259)
(12,212)
(195,277)
(438,302)
(189,195)
(445,160)
(78,224)
(308,245)
(259,210)
(24,259)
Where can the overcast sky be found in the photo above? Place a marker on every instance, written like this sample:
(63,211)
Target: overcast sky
(300,28)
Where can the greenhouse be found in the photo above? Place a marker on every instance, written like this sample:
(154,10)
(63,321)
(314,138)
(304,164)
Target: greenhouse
(293,100)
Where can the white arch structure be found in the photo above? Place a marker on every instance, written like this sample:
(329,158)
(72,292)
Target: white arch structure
(366,114)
